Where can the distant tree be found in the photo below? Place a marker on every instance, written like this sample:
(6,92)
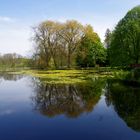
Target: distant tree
(91,50)
(107,40)
(107,43)
(12,60)
(125,41)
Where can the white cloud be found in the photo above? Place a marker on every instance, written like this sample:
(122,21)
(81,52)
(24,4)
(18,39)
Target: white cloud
(6,19)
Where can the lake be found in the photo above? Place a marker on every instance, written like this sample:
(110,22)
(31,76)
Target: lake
(97,110)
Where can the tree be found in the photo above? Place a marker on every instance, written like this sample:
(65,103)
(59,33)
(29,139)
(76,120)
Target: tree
(71,32)
(56,42)
(107,38)
(57,45)
(47,41)
(107,43)
(91,50)
(125,41)
(41,38)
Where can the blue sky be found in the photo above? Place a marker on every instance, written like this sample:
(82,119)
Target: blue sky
(18,16)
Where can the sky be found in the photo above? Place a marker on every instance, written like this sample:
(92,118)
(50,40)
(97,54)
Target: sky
(17,17)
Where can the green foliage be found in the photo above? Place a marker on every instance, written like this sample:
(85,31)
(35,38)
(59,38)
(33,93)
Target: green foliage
(125,40)
(91,50)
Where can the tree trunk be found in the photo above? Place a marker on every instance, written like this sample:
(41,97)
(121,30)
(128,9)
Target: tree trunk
(69,61)
(69,58)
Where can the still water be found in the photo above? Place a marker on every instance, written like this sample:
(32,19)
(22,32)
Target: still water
(97,110)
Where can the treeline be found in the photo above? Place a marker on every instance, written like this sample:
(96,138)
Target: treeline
(11,60)
(65,45)
(71,44)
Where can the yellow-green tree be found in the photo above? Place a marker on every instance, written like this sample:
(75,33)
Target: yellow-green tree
(91,50)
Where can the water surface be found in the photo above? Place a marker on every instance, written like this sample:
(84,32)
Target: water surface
(99,109)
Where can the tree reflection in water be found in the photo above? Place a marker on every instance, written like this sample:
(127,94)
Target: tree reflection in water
(10,77)
(126,102)
(69,100)
(74,100)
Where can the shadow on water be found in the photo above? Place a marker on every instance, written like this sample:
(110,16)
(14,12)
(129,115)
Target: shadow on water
(126,102)
(68,100)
